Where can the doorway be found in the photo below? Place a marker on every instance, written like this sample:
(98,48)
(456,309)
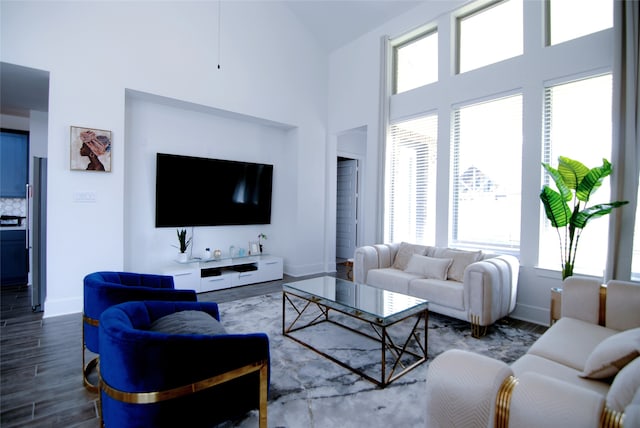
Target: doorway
(24,105)
(346,207)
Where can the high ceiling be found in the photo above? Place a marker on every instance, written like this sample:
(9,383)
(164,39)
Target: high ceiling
(333,23)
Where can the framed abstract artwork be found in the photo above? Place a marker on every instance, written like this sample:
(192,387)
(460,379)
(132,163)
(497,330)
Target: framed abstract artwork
(90,149)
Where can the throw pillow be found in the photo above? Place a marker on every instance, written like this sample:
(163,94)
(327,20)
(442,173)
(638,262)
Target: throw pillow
(188,322)
(429,267)
(405,252)
(624,386)
(612,354)
(461,259)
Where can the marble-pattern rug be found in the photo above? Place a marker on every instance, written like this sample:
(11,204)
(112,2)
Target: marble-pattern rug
(310,391)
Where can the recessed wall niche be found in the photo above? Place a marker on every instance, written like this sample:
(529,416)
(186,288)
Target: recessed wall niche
(158,124)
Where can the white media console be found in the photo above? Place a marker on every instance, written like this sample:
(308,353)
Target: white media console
(217,274)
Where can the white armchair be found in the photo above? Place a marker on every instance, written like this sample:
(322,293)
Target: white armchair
(552,384)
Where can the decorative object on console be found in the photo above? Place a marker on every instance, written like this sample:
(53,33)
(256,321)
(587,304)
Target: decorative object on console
(90,149)
(217,254)
(261,236)
(573,175)
(207,253)
(254,248)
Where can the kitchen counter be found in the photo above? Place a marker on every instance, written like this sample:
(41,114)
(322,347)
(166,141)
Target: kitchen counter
(23,227)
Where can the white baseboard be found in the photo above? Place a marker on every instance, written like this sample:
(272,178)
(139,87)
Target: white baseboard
(57,307)
(534,314)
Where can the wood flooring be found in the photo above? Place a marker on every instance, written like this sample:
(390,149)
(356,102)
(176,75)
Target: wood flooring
(41,360)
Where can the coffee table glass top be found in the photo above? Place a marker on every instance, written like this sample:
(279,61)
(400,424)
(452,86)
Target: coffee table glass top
(364,301)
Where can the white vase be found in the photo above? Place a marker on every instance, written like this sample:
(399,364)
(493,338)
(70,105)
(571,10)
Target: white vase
(182,257)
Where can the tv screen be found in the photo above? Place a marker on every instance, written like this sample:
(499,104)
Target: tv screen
(193,191)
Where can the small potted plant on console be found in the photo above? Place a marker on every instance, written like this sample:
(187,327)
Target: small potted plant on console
(184,244)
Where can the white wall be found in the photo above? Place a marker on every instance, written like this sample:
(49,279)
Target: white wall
(354,88)
(159,125)
(95,51)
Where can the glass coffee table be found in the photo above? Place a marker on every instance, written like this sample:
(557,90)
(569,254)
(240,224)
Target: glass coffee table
(390,319)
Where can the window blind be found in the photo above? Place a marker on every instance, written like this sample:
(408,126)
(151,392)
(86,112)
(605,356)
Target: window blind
(577,125)
(486,174)
(411,181)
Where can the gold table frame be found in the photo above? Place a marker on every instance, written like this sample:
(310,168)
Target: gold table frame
(378,324)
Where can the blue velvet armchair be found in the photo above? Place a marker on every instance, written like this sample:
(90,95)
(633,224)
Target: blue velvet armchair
(151,378)
(105,289)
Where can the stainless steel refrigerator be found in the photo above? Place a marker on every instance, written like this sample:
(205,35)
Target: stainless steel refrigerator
(37,233)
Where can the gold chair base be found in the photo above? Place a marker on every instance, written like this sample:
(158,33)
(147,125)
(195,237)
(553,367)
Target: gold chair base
(608,419)
(477,330)
(157,396)
(88,369)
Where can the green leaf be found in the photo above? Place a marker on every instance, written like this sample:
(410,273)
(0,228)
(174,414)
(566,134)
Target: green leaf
(595,211)
(555,206)
(565,192)
(572,171)
(593,180)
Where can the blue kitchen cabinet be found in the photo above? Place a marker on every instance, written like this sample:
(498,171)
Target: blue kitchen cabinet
(14,259)
(14,161)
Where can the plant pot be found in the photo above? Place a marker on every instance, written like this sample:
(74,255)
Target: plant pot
(182,257)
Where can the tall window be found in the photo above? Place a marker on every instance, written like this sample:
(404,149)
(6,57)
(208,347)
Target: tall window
(411,181)
(577,125)
(570,19)
(490,35)
(416,62)
(486,174)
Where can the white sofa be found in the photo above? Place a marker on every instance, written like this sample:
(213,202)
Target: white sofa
(469,285)
(579,373)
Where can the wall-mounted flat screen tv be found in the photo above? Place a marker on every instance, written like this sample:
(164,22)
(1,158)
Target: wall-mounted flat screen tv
(193,191)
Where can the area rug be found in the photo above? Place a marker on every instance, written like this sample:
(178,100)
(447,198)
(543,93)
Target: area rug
(308,390)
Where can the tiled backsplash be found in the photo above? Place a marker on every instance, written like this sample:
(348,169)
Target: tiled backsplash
(13,206)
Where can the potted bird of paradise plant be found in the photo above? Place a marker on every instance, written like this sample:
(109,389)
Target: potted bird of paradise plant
(567,207)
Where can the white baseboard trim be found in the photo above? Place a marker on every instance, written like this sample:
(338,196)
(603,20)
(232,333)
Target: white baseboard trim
(534,314)
(57,307)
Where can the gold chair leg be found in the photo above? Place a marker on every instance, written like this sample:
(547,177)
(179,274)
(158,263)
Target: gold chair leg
(89,367)
(263,396)
(477,330)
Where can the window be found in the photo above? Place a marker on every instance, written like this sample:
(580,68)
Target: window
(416,62)
(570,19)
(490,35)
(411,181)
(486,174)
(577,124)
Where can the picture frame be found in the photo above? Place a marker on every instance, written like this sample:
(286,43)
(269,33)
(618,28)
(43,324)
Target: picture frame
(90,149)
(254,248)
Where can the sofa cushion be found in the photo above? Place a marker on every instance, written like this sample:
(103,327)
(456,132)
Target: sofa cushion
(405,252)
(582,336)
(612,354)
(445,293)
(391,279)
(536,364)
(625,385)
(188,322)
(461,259)
(429,267)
